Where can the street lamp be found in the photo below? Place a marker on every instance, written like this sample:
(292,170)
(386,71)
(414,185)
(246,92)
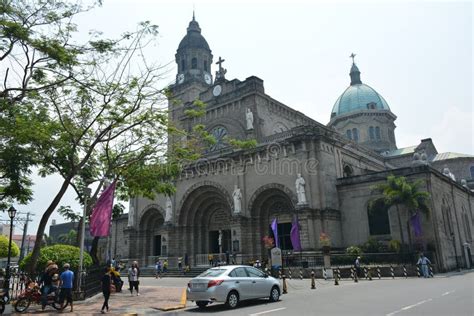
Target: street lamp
(11,214)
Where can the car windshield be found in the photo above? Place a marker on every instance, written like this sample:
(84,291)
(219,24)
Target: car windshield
(212,273)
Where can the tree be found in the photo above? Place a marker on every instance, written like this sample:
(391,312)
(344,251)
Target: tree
(60,254)
(4,242)
(397,191)
(69,238)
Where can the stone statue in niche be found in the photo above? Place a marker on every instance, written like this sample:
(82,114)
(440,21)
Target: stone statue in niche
(300,190)
(237,196)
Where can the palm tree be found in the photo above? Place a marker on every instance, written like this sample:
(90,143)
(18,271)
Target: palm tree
(69,238)
(398,191)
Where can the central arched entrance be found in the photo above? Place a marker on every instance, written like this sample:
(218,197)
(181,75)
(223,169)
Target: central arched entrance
(205,220)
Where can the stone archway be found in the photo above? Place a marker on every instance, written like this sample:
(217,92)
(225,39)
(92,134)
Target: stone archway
(152,234)
(268,202)
(204,220)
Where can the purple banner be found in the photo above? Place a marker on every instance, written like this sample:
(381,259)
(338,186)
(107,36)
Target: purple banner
(275,232)
(102,213)
(295,235)
(416,224)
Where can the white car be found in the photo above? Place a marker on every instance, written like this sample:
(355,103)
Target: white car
(232,284)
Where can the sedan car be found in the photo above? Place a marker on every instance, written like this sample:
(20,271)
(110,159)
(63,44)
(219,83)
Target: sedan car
(232,284)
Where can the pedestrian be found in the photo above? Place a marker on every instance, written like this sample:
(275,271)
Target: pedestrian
(133,277)
(67,280)
(165,266)
(158,269)
(210,257)
(357,267)
(116,280)
(424,262)
(227,257)
(180,264)
(234,257)
(106,284)
(46,282)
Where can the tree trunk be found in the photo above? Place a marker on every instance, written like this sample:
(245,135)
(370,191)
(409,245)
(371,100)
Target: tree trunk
(400,227)
(94,248)
(31,268)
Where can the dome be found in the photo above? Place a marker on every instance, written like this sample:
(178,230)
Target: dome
(358,97)
(193,39)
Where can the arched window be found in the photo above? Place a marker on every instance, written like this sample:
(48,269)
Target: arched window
(205,66)
(348,172)
(183,65)
(377,133)
(371,133)
(349,134)
(472,172)
(194,63)
(355,134)
(379,223)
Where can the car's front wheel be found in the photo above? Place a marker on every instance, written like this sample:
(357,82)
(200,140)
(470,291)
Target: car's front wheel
(274,294)
(202,304)
(232,299)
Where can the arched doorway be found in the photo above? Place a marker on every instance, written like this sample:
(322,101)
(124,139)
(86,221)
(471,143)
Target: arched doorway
(151,235)
(205,221)
(270,202)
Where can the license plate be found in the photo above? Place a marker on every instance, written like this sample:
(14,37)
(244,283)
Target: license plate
(199,286)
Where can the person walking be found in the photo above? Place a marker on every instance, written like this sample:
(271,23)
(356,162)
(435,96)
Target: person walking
(158,269)
(165,266)
(106,283)
(210,257)
(46,282)
(357,267)
(180,264)
(67,281)
(424,263)
(133,277)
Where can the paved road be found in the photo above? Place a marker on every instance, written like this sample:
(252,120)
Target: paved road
(451,294)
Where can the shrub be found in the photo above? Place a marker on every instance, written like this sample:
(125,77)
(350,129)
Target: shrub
(372,245)
(394,245)
(4,241)
(354,250)
(60,254)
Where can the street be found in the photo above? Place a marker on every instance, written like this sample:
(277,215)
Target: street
(451,294)
(446,294)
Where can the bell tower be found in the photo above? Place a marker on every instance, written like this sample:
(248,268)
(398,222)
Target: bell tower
(193,57)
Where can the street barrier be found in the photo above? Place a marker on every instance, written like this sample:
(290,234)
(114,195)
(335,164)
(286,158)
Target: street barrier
(431,271)
(301,274)
(418,273)
(378,272)
(391,272)
(405,272)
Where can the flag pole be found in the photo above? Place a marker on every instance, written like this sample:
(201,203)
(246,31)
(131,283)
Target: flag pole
(87,192)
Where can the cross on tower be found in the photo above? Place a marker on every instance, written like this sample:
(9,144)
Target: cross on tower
(352,56)
(220,63)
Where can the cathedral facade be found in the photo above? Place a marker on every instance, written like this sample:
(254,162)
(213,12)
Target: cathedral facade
(321,175)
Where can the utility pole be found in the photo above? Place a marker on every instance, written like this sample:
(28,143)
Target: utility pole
(25,229)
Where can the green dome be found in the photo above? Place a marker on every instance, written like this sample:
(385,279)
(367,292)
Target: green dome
(358,96)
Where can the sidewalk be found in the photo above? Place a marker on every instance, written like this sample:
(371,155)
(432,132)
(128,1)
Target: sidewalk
(150,300)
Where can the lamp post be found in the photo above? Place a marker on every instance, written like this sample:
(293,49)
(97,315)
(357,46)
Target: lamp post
(11,214)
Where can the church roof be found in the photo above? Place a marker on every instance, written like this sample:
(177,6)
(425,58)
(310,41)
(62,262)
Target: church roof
(358,96)
(450,155)
(193,38)
(400,151)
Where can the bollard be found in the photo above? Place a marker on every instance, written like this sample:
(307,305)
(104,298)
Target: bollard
(365,273)
(378,272)
(391,272)
(418,271)
(325,275)
(336,277)
(370,274)
(431,271)
(289,273)
(405,274)
(285,289)
(352,273)
(279,273)
(313,284)
(338,273)
(301,274)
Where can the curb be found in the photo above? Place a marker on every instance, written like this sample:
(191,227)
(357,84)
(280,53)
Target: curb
(181,305)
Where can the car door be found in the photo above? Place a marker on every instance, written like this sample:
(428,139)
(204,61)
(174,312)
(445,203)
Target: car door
(241,282)
(260,285)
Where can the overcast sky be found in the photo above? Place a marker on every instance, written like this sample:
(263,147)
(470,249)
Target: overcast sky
(418,56)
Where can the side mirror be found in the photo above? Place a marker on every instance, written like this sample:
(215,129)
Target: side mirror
(265,276)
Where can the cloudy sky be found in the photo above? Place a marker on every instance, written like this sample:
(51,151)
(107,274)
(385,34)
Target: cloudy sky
(418,56)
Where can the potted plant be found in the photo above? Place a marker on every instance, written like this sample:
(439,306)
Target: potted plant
(325,243)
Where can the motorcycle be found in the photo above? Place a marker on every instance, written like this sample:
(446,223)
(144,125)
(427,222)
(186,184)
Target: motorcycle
(32,294)
(3,301)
